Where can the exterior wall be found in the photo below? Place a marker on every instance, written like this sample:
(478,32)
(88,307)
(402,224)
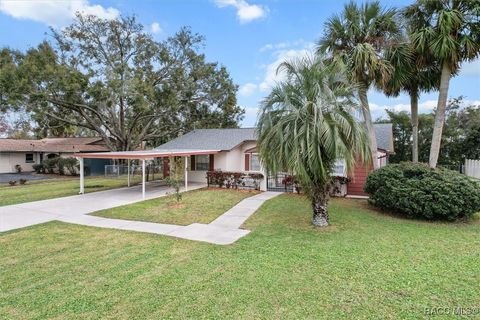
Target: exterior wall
(8,160)
(233,160)
(360,173)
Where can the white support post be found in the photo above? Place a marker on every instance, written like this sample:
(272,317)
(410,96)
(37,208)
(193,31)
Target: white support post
(143,178)
(82,182)
(186,173)
(128,172)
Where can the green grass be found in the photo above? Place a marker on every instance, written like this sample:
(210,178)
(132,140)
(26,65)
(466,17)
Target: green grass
(198,206)
(365,266)
(54,188)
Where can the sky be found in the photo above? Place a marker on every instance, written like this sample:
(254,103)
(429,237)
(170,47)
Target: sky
(249,37)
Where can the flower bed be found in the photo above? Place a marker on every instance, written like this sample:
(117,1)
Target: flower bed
(234,180)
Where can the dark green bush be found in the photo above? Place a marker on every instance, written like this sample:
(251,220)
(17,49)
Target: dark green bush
(50,165)
(417,190)
(71,164)
(39,168)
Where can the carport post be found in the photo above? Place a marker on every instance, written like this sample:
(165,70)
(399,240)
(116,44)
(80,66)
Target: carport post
(82,185)
(143,178)
(186,173)
(128,172)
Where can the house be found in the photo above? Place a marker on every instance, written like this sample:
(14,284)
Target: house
(236,151)
(27,152)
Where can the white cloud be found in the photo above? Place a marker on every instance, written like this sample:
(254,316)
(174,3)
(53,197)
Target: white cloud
(271,76)
(54,13)
(282,45)
(247,89)
(155,27)
(245,12)
(471,68)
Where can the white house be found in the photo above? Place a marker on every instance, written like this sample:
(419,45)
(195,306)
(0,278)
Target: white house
(236,152)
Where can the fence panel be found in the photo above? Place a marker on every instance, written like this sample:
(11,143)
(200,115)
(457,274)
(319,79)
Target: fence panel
(472,168)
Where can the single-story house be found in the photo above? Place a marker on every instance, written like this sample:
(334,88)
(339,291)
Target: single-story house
(236,151)
(27,152)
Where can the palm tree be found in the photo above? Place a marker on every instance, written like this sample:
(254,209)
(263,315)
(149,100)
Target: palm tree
(306,123)
(449,31)
(413,74)
(357,38)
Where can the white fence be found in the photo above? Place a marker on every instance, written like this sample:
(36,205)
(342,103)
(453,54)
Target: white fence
(472,168)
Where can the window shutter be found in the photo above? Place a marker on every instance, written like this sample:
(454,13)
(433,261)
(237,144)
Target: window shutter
(211,163)
(166,167)
(192,162)
(247,162)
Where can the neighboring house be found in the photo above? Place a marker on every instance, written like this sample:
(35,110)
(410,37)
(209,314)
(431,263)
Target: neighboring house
(26,153)
(237,152)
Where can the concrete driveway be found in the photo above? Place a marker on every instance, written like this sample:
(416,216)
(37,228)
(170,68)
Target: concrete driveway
(75,209)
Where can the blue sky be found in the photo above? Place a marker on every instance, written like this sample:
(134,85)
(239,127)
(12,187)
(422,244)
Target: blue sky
(249,37)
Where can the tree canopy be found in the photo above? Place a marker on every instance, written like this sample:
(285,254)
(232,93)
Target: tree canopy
(112,79)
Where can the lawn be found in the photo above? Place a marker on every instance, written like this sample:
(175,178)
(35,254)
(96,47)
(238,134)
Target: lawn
(366,265)
(198,206)
(48,189)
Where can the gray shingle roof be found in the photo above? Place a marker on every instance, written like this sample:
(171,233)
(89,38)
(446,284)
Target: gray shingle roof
(227,139)
(384,135)
(211,139)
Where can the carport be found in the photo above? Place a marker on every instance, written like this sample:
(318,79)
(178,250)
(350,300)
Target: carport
(142,155)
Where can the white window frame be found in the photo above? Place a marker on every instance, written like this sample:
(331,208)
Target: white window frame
(339,168)
(202,163)
(251,163)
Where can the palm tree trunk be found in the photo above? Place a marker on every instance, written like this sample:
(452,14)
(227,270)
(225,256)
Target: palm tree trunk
(414,120)
(319,204)
(362,93)
(440,115)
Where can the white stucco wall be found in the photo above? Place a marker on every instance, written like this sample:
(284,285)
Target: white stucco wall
(8,161)
(233,160)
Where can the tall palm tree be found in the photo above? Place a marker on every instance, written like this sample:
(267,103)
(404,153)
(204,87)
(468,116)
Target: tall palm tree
(449,31)
(306,123)
(413,74)
(357,38)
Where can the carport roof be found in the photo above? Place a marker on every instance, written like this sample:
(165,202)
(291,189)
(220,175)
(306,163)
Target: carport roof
(145,154)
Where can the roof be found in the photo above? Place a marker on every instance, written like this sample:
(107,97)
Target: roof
(81,144)
(227,139)
(384,136)
(211,139)
(145,154)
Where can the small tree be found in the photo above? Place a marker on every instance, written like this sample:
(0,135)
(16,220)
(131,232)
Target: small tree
(175,178)
(306,124)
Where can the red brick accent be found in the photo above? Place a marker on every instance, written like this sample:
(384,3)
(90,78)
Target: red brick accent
(360,173)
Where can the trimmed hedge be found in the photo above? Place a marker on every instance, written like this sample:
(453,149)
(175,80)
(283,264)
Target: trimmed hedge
(417,190)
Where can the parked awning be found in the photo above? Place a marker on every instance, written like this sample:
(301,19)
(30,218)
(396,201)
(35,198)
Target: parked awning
(145,154)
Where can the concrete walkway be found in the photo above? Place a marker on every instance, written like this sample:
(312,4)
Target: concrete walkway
(223,230)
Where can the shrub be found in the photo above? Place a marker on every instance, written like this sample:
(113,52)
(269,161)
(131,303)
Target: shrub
(61,165)
(22,181)
(234,180)
(39,168)
(417,190)
(50,164)
(70,164)
(18,168)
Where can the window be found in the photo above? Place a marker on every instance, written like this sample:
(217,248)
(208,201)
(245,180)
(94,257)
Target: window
(254,162)
(339,168)
(29,158)
(202,162)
